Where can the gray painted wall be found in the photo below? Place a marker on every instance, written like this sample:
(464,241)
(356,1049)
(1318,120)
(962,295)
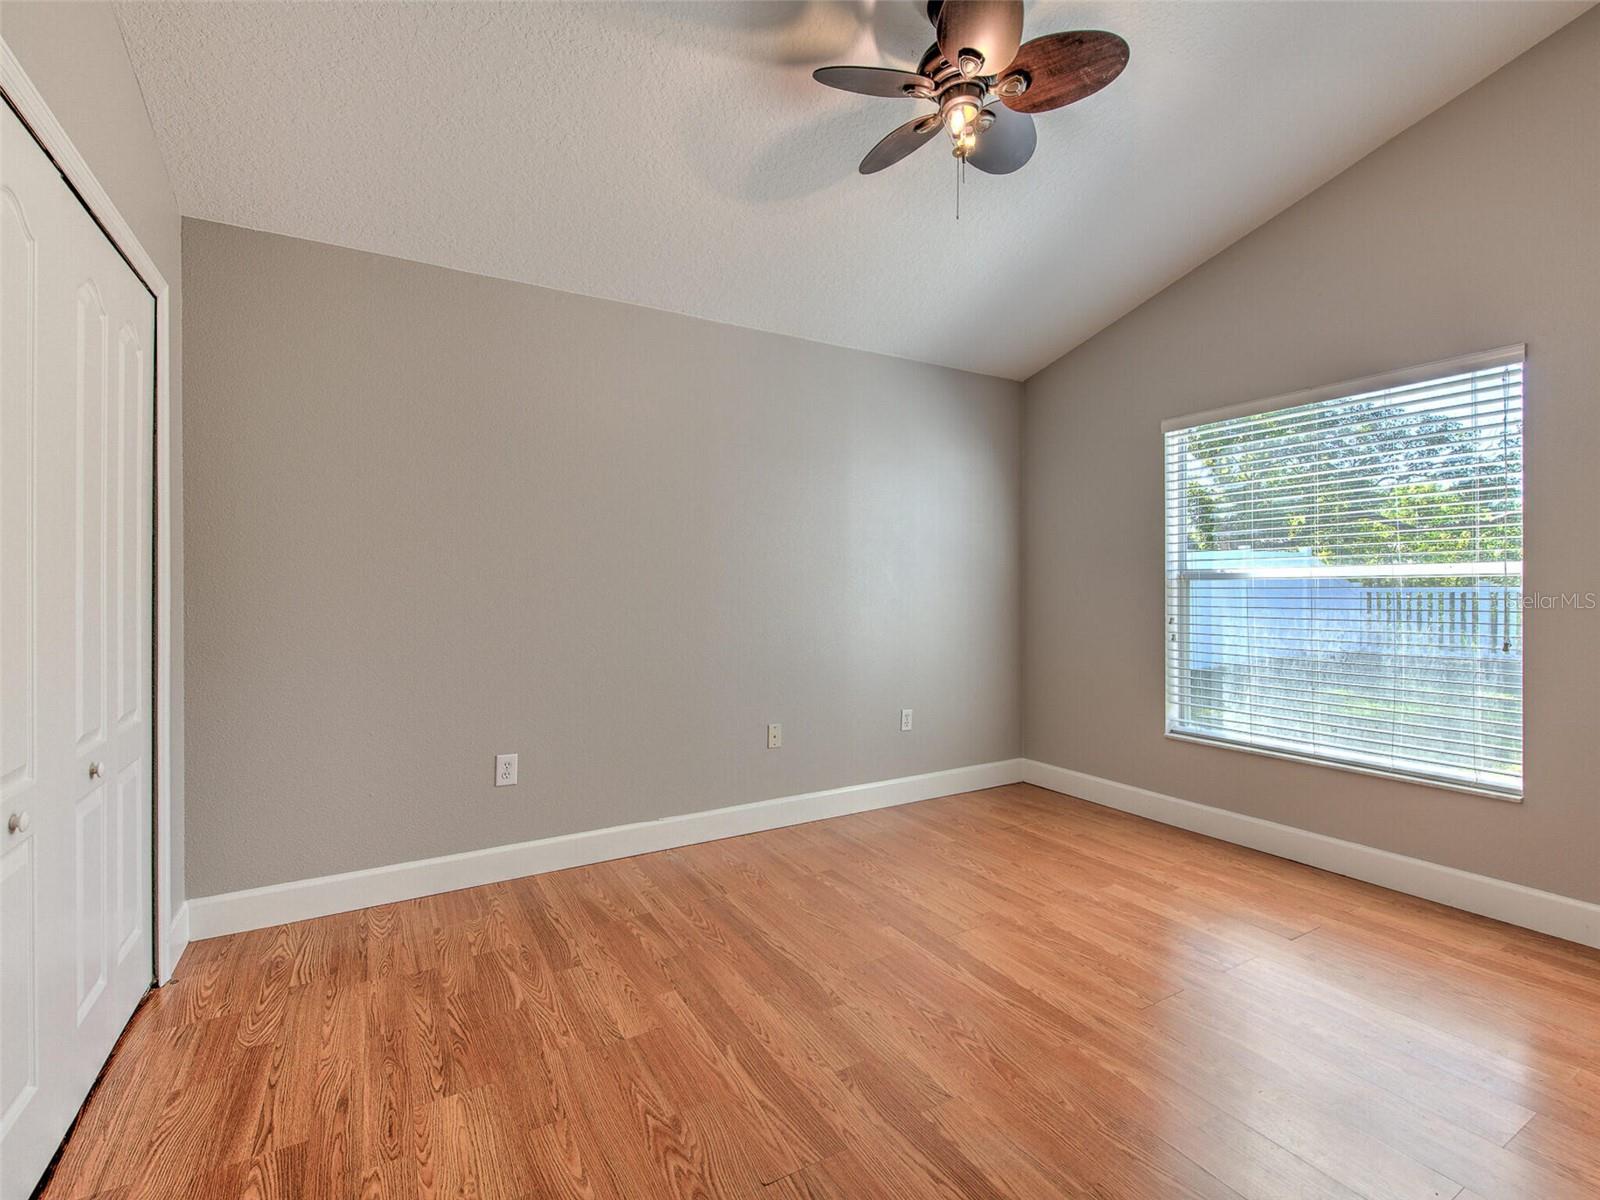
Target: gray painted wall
(1477,227)
(74,55)
(435,516)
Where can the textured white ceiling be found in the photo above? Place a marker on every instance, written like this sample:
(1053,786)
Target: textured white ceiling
(679,155)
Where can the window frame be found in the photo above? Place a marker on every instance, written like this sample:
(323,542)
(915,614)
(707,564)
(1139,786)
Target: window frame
(1403,377)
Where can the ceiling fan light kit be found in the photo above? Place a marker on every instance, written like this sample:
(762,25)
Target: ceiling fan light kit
(979,55)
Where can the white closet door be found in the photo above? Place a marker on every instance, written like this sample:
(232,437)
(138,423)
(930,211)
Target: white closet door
(77,342)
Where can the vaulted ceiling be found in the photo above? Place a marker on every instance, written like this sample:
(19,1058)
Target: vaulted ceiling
(679,155)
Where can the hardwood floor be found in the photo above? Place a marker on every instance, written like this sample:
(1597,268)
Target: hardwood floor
(1006,993)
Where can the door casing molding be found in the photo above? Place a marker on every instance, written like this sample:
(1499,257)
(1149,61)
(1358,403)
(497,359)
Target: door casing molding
(170,935)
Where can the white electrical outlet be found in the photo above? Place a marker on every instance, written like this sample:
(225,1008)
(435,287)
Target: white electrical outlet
(505,770)
(774,736)
(905,720)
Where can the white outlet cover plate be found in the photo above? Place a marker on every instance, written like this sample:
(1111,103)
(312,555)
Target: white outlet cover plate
(774,736)
(505,770)
(905,720)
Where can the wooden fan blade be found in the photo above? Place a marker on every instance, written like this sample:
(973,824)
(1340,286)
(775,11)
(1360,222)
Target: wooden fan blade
(1063,67)
(991,29)
(900,143)
(1005,145)
(870,81)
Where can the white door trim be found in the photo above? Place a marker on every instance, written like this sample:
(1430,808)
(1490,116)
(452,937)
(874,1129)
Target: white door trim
(169,935)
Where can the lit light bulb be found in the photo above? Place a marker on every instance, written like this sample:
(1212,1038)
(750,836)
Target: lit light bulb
(961,117)
(966,143)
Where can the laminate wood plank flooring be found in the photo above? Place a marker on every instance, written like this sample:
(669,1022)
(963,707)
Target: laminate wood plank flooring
(1007,993)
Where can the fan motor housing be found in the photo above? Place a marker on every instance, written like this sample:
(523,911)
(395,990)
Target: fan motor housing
(964,93)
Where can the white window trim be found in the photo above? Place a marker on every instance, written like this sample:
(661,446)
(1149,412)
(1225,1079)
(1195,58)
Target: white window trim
(1483,360)
(1504,356)
(1449,785)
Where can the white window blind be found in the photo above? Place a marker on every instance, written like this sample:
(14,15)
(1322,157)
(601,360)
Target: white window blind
(1344,575)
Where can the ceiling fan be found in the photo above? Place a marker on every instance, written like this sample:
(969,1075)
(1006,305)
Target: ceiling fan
(979,52)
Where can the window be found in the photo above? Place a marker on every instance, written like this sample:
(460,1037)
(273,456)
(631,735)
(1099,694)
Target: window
(1344,575)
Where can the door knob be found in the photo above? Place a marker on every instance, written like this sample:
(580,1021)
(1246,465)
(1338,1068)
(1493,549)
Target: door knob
(94,770)
(18,822)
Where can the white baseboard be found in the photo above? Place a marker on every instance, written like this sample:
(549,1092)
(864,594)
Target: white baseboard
(257,908)
(1546,912)
(177,942)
